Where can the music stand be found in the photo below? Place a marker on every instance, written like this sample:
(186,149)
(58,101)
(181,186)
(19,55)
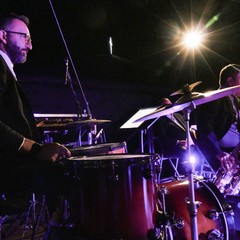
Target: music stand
(132,124)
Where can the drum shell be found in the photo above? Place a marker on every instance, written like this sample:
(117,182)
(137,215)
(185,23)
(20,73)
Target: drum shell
(111,199)
(209,197)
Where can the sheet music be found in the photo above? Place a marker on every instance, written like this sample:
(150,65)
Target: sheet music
(140,113)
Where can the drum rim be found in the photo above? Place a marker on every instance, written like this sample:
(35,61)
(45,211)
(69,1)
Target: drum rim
(107,157)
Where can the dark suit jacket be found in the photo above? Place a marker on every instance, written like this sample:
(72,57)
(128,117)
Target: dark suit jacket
(213,121)
(21,173)
(16,122)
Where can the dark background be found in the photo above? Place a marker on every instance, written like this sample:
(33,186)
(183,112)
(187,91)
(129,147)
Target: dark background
(146,64)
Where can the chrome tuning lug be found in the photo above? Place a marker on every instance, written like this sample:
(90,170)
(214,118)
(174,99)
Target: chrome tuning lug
(178,223)
(215,235)
(213,214)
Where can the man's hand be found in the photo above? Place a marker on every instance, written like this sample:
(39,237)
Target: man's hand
(53,152)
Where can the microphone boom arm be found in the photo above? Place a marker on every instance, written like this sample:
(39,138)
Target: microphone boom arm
(71,61)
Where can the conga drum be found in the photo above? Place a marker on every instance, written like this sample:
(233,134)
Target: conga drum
(112,196)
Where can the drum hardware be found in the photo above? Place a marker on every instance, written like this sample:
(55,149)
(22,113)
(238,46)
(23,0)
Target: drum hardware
(61,218)
(186,104)
(2,220)
(228,181)
(155,234)
(198,204)
(158,169)
(192,204)
(42,218)
(147,173)
(84,128)
(215,234)
(149,170)
(100,135)
(213,214)
(150,143)
(32,208)
(165,221)
(235,185)
(60,221)
(114,175)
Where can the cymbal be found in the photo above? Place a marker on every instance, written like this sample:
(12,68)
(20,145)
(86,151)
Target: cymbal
(186,88)
(86,122)
(51,125)
(195,98)
(60,125)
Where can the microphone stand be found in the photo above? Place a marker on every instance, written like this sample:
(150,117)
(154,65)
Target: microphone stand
(71,61)
(68,80)
(192,204)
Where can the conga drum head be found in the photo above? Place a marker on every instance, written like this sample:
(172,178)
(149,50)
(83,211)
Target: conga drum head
(104,148)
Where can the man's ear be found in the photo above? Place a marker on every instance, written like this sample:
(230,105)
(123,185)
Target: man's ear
(3,36)
(230,81)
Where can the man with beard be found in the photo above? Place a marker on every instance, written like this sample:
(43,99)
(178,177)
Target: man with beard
(22,157)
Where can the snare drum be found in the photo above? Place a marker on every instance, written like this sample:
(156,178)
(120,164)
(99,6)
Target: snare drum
(100,149)
(109,198)
(214,216)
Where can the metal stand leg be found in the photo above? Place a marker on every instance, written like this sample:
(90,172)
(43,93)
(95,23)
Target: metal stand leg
(175,166)
(60,224)
(2,219)
(43,217)
(142,140)
(165,221)
(192,204)
(32,208)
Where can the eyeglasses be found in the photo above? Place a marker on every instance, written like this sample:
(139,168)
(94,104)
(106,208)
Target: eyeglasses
(25,35)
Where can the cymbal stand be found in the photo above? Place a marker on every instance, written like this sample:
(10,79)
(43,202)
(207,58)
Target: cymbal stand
(192,204)
(32,208)
(2,219)
(43,216)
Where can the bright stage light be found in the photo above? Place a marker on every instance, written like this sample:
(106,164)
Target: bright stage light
(192,159)
(193,39)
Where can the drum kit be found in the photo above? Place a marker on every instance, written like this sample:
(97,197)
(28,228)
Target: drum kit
(112,194)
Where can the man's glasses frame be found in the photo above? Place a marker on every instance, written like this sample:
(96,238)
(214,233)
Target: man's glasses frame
(25,35)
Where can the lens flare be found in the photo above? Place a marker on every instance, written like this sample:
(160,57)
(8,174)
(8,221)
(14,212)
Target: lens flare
(193,39)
